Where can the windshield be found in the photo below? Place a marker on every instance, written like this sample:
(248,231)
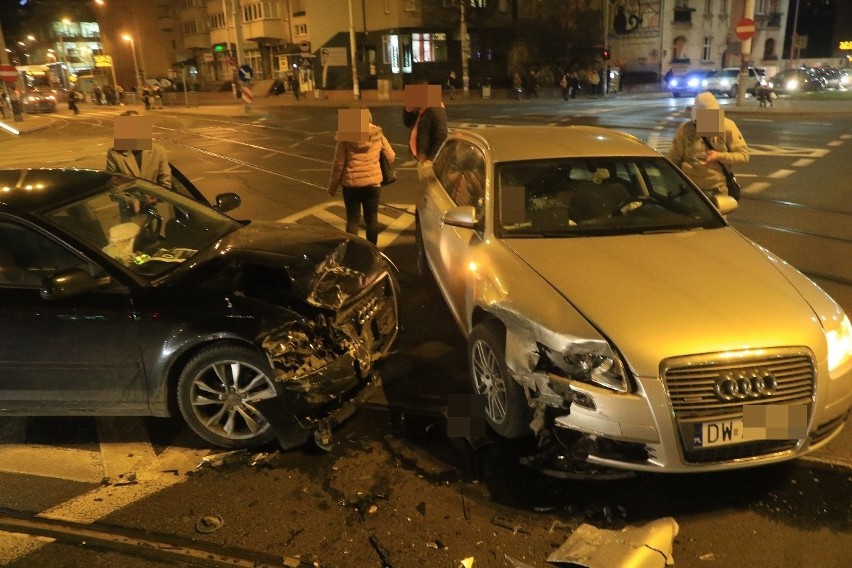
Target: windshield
(143,226)
(597,196)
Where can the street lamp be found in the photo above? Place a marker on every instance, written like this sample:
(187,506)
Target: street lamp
(128,37)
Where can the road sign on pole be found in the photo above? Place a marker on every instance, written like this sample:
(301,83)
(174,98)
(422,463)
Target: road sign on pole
(245,73)
(745,29)
(8,74)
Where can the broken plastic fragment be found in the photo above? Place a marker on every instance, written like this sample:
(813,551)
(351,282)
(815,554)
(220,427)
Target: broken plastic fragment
(648,546)
(466,563)
(217,460)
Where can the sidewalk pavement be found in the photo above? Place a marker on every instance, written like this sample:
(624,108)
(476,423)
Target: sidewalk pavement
(224,104)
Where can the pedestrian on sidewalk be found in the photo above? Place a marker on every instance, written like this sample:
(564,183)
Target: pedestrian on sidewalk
(356,168)
(563,85)
(517,87)
(294,84)
(451,84)
(72,100)
(424,113)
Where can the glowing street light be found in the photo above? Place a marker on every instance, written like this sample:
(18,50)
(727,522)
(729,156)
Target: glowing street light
(128,37)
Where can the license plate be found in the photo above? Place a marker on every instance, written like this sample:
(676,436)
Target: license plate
(719,433)
(765,422)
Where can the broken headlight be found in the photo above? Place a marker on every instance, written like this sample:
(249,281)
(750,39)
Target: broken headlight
(597,363)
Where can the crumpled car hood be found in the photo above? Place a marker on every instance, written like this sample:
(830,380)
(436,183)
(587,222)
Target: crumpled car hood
(662,295)
(327,266)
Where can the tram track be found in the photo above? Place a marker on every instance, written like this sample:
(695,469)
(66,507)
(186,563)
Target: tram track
(140,544)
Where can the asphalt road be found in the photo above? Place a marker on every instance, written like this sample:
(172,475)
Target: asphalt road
(393,474)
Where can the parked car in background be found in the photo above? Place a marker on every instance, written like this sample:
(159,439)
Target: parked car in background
(592,281)
(799,80)
(119,297)
(726,82)
(689,84)
(37,101)
(830,76)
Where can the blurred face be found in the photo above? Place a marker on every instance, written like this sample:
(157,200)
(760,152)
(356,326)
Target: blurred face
(709,121)
(133,132)
(422,96)
(353,125)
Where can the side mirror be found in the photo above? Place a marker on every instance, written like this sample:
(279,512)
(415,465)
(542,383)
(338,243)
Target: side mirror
(71,282)
(463,216)
(227,202)
(725,204)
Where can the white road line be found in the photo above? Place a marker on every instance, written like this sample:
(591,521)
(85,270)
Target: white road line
(802,163)
(834,143)
(330,218)
(397,227)
(756,187)
(49,461)
(779,174)
(121,457)
(845,136)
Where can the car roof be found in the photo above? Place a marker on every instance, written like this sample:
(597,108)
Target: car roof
(28,190)
(516,143)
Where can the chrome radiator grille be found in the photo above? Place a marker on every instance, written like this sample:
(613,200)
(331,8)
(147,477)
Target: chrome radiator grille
(690,381)
(692,386)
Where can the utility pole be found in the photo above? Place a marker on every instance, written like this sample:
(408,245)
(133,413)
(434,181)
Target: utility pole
(356,88)
(465,52)
(4,57)
(745,55)
(794,46)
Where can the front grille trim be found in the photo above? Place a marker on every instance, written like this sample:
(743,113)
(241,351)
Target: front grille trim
(689,383)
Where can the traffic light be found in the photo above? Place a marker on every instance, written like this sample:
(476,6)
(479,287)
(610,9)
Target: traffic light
(220,47)
(605,54)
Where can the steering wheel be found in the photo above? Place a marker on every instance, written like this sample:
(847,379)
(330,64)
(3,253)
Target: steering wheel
(639,199)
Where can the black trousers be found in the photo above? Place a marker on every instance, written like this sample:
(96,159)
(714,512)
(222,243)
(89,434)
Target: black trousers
(367,198)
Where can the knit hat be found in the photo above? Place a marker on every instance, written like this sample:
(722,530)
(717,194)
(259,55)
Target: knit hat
(704,100)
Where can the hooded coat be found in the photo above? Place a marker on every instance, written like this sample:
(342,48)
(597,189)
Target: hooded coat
(356,164)
(688,149)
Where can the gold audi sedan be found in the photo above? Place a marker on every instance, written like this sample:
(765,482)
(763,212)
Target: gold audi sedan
(612,311)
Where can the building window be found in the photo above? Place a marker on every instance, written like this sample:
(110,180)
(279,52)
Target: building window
(769,49)
(708,7)
(217,21)
(301,29)
(428,48)
(298,7)
(707,49)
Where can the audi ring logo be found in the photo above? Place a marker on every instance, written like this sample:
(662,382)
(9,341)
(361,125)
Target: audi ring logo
(745,385)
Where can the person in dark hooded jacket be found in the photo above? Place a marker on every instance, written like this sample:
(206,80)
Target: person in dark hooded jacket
(356,168)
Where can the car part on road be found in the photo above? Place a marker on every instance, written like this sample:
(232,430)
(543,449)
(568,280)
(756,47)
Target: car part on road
(648,546)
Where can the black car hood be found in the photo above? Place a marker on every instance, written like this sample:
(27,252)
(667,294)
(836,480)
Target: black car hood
(326,266)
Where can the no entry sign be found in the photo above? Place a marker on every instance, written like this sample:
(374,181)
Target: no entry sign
(8,73)
(745,29)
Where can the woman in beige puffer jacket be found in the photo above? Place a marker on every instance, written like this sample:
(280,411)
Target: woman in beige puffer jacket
(356,168)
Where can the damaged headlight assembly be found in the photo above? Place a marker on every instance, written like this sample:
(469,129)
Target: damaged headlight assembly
(593,362)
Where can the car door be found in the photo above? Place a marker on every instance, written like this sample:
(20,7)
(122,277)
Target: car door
(76,355)
(459,181)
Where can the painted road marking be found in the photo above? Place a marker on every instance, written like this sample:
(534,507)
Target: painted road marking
(778,174)
(756,187)
(394,225)
(772,150)
(834,143)
(802,163)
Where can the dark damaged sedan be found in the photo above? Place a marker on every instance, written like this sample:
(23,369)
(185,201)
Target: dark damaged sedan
(120,297)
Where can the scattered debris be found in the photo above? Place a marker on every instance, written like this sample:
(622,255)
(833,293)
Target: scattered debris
(437,544)
(421,508)
(466,563)
(264,459)
(708,556)
(516,563)
(648,546)
(209,523)
(464,502)
(505,523)
(557,524)
(172,471)
(225,458)
(381,551)
(296,562)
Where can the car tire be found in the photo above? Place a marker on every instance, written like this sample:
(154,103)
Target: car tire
(216,404)
(506,408)
(734,91)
